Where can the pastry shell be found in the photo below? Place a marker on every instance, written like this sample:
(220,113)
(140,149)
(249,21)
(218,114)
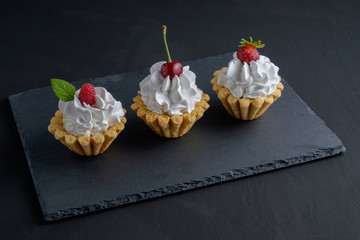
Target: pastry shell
(85,145)
(244,108)
(170,126)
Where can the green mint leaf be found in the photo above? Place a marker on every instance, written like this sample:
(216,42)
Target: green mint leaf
(63,90)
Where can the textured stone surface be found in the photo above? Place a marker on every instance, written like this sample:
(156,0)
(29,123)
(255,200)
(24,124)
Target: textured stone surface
(140,165)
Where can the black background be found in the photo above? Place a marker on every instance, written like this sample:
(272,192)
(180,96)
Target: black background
(314,43)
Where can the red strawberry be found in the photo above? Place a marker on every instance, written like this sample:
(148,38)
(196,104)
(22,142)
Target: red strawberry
(247,51)
(87,94)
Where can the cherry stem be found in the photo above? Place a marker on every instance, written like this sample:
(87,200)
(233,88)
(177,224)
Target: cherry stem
(166,46)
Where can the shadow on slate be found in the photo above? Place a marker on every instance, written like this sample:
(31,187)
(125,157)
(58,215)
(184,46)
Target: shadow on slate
(140,165)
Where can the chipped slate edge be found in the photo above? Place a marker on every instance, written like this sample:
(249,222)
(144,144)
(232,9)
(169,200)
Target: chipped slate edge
(206,181)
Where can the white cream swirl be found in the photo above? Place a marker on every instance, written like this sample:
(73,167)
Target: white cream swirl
(172,97)
(257,79)
(81,120)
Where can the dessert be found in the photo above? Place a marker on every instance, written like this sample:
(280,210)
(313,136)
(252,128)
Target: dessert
(250,84)
(169,101)
(88,120)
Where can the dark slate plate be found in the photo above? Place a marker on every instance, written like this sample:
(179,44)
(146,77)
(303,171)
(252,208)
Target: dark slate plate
(140,165)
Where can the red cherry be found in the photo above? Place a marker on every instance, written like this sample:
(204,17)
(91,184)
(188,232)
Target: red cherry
(171,69)
(87,94)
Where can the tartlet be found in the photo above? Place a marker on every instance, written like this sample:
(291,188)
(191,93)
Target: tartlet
(170,126)
(244,108)
(88,120)
(250,84)
(85,144)
(169,101)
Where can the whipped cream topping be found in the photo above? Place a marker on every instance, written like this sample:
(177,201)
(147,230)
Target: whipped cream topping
(257,79)
(81,120)
(172,97)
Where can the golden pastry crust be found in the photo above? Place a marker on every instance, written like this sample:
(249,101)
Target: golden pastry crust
(244,108)
(85,145)
(170,126)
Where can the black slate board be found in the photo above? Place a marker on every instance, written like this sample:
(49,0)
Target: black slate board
(140,165)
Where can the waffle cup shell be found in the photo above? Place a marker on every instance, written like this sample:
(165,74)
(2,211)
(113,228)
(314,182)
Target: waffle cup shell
(244,108)
(170,126)
(85,145)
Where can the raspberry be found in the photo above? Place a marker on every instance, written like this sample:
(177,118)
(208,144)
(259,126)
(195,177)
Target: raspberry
(87,94)
(247,51)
